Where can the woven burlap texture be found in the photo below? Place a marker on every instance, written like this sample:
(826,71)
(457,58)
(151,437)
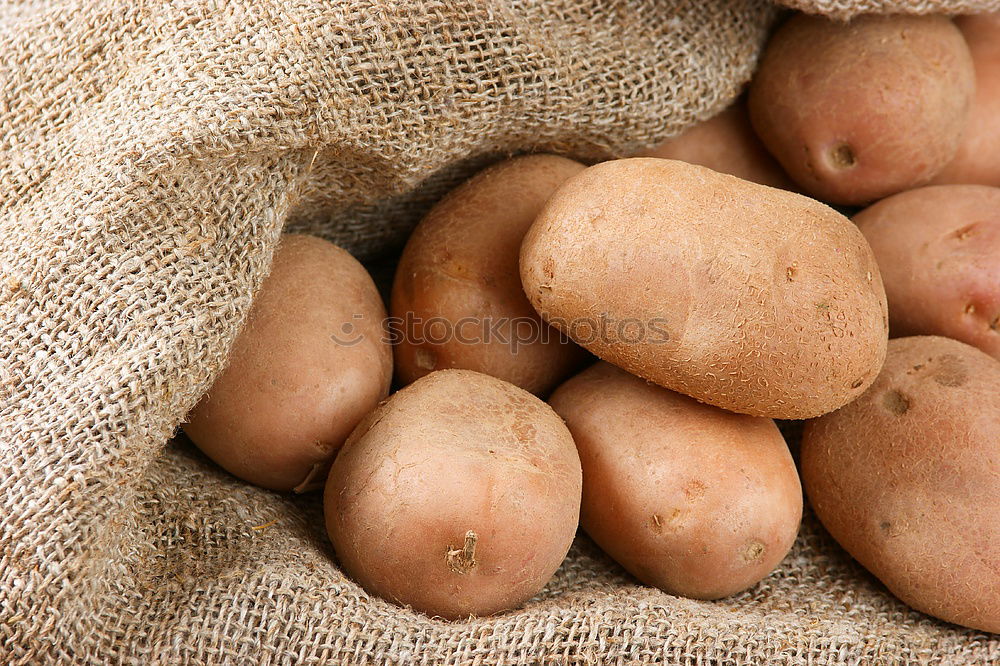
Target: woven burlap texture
(846,9)
(151,154)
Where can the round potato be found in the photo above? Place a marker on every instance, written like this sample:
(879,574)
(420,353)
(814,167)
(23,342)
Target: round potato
(458,496)
(747,297)
(457,300)
(907,478)
(939,251)
(692,499)
(978,157)
(725,143)
(860,110)
(310,363)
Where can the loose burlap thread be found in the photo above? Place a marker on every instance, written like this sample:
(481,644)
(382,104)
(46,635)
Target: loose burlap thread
(152,153)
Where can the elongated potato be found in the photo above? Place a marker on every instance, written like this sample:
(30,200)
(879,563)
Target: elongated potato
(460,495)
(689,498)
(907,478)
(860,110)
(726,143)
(311,362)
(939,251)
(978,157)
(457,299)
(750,298)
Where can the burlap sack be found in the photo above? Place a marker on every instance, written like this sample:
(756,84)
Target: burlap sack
(151,153)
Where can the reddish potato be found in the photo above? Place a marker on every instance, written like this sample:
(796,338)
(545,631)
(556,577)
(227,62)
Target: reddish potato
(726,143)
(689,498)
(460,267)
(939,251)
(294,390)
(907,478)
(460,495)
(861,110)
(750,298)
(978,158)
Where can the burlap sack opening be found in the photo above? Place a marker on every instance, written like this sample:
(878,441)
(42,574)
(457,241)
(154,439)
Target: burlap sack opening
(151,154)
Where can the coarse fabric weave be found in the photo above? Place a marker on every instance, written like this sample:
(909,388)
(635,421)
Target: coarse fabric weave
(151,154)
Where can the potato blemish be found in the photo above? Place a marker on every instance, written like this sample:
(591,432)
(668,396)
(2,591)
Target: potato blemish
(463,560)
(425,359)
(525,432)
(949,371)
(891,529)
(694,490)
(896,402)
(655,523)
(842,157)
(964,232)
(753,551)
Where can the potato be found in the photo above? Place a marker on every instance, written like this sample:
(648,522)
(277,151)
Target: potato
(689,498)
(978,157)
(746,297)
(458,496)
(458,282)
(939,251)
(861,110)
(725,143)
(907,478)
(310,363)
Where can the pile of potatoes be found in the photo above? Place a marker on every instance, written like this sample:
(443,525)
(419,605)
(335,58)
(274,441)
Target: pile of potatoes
(717,293)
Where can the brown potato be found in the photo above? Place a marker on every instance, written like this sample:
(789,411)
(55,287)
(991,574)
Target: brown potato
(311,362)
(747,297)
(459,270)
(978,157)
(458,496)
(907,478)
(939,251)
(726,143)
(692,499)
(861,110)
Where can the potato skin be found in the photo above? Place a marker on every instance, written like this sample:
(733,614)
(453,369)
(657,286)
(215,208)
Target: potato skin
(861,110)
(939,251)
(750,298)
(907,478)
(291,394)
(692,499)
(725,143)
(978,157)
(460,264)
(454,454)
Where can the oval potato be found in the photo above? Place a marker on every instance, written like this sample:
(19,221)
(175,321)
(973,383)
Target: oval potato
(907,478)
(746,297)
(692,499)
(457,297)
(860,110)
(310,363)
(458,496)
(939,251)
